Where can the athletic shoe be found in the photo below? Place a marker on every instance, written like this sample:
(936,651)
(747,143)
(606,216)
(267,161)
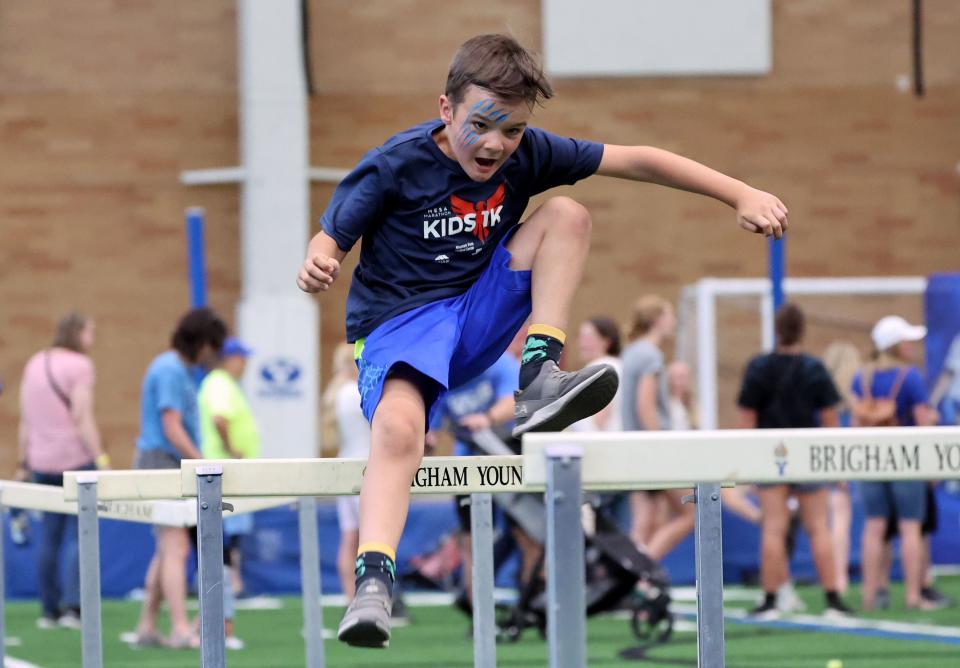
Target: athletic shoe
(70,620)
(881,600)
(765,612)
(556,399)
(787,599)
(366,623)
(931,595)
(233,642)
(46,622)
(837,609)
(398,615)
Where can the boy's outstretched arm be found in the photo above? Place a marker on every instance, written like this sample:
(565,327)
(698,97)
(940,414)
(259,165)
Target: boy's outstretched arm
(757,211)
(322,264)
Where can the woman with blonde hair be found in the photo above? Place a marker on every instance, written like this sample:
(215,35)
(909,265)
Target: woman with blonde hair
(842,360)
(890,391)
(341,409)
(645,406)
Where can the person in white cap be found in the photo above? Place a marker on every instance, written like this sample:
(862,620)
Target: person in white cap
(891,392)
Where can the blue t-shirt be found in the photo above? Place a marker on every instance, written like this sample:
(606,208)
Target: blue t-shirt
(428,230)
(477,396)
(168,384)
(912,391)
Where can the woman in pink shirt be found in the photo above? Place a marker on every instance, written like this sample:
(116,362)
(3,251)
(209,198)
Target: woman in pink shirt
(58,433)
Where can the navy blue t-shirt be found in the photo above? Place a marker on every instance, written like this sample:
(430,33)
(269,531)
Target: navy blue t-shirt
(428,230)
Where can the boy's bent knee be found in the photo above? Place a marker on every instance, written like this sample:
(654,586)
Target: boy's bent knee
(569,213)
(398,435)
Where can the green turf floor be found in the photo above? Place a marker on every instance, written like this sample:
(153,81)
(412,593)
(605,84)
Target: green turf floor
(437,637)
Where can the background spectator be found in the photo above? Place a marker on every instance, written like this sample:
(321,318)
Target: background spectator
(842,360)
(169,432)
(784,389)
(598,342)
(341,404)
(890,391)
(229,431)
(58,433)
(645,405)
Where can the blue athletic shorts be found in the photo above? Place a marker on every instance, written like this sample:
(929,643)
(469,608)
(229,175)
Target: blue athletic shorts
(908,498)
(452,340)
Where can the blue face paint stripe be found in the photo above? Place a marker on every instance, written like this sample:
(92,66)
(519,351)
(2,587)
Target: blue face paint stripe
(475,138)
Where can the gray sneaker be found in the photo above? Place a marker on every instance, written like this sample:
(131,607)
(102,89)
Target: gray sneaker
(556,399)
(366,623)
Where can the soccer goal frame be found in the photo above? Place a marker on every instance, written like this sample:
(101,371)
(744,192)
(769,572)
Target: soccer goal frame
(697,316)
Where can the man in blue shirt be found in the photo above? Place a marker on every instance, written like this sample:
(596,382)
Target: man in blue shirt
(169,432)
(447,275)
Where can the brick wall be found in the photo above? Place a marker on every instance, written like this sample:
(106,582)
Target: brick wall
(103,103)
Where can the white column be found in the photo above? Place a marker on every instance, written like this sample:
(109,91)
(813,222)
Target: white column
(278,321)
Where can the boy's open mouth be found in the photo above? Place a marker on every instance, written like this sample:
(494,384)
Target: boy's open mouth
(486,162)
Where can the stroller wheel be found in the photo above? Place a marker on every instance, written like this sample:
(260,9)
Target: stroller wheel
(652,622)
(541,623)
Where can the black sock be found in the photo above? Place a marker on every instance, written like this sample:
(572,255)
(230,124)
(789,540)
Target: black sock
(378,566)
(833,598)
(538,349)
(769,600)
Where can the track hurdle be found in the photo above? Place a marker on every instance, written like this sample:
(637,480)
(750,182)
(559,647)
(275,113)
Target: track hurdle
(705,461)
(151,497)
(567,464)
(208,480)
(50,499)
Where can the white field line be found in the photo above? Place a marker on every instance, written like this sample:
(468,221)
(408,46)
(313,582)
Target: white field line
(850,623)
(10,662)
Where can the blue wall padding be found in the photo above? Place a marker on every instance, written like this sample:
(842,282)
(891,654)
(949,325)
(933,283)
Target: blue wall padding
(941,307)
(271,554)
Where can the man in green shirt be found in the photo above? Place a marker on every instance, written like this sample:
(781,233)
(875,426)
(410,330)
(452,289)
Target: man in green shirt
(228,429)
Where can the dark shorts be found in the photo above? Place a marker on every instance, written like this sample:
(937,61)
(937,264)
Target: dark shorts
(906,499)
(155,459)
(800,487)
(450,341)
(930,518)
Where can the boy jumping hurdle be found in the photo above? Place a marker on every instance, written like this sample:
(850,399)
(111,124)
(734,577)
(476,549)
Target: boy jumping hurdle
(448,274)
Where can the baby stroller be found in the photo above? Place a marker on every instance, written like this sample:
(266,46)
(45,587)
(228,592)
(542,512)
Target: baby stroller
(618,576)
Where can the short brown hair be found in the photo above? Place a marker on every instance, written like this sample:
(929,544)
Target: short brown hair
(67,333)
(499,64)
(789,324)
(646,311)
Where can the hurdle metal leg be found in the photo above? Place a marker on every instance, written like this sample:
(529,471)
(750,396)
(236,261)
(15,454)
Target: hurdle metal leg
(566,599)
(709,558)
(89,546)
(210,553)
(3,592)
(310,578)
(484,624)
